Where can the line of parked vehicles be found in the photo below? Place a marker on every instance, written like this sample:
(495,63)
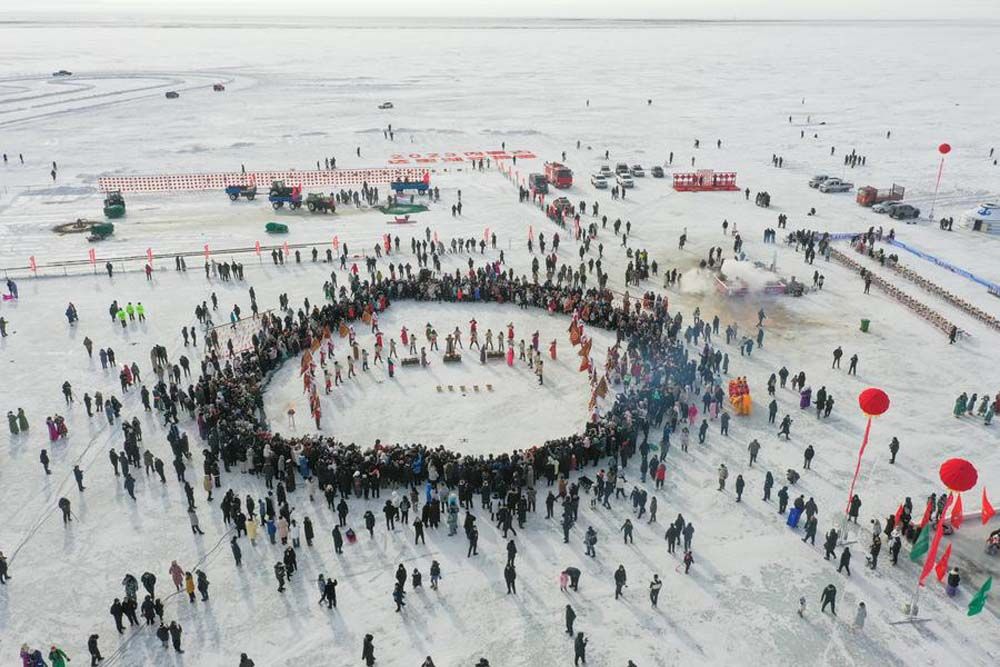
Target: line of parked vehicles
(888,202)
(623,175)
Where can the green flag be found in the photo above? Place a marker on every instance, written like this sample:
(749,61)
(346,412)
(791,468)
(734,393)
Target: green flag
(979,599)
(922,544)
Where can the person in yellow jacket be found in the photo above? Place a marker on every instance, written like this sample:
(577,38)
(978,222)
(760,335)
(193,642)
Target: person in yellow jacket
(189,586)
(252,531)
(140,310)
(121,317)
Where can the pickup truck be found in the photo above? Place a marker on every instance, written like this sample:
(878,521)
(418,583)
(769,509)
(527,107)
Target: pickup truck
(835,185)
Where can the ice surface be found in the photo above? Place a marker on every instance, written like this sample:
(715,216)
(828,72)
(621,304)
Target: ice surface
(306,91)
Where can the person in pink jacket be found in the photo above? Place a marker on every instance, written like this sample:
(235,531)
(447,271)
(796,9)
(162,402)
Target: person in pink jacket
(661,475)
(692,414)
(283,530)
(563,581)
(177,574)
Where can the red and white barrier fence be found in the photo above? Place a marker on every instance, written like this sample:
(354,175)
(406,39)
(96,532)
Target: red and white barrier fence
(219,181)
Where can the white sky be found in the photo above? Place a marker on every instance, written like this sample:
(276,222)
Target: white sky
(626,9)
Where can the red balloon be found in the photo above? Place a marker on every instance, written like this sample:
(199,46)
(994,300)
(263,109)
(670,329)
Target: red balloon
(944,149)
(873,401)
(958,474)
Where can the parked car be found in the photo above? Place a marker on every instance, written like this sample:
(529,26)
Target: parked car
(638,171)
(62,72)
(385,105)
(605,171)
(172,94)
(599,181)
(621,168)
(657,171)
(885,206)
(904,212)
(625,181)
(815,181)
(835,185)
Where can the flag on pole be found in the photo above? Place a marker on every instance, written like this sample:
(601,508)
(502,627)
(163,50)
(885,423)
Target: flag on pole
(32,264)
(941,568)
(988,510)
(207,253)
(979,599)
(932,554)
(149,255)
(956,514)
(92,254)
(927,514)
(336,243)
(256,247)
(899,514)
(921,545)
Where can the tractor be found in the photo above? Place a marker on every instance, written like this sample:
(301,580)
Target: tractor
(281,194)
(237,191)
(317,202)
(114,205)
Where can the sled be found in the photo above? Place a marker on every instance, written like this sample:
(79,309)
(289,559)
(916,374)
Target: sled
(462,388)
(489,387)
(475,388)
(440,390)
(409,361)
(495,355)
(451,388)
(351,536)
(452,358)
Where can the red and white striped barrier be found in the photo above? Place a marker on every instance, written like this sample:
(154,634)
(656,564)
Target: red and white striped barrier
(219,181)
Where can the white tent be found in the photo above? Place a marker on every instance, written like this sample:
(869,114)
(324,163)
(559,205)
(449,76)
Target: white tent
(984,219)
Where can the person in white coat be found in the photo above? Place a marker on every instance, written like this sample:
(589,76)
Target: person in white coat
(860,616)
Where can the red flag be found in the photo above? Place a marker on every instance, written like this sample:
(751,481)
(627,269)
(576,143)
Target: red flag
(941,568)
(584,365)
(336,242)
(927,515)
(92,254)
(956,514)
(31,263)
(256,247)
(286,248)
(899,515)
(207,253)
(149,255)
(988,510)
(932,554)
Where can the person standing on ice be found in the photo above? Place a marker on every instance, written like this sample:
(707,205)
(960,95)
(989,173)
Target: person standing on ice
(654,589)
(95,651)
(620,581)
(368,650)
(580,649)
(859,617)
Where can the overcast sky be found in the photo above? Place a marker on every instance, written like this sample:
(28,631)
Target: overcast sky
(662,9)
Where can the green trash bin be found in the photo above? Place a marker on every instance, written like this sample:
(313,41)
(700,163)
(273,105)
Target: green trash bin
(865,324)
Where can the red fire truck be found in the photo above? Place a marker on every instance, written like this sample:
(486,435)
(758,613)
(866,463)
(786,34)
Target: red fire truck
(559,175)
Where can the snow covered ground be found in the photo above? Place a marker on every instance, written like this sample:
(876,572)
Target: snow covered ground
(301,93)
